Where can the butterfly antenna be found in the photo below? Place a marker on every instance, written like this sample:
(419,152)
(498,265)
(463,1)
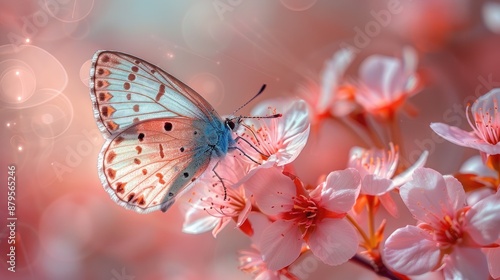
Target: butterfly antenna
(251,99)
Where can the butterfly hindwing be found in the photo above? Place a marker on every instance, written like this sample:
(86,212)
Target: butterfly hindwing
(160,134)
(149,163)
(126,90)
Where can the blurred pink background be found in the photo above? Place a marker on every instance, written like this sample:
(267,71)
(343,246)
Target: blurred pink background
(67,226)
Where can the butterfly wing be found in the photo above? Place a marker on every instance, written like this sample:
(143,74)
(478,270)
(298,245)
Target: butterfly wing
(144,167)
(126,90)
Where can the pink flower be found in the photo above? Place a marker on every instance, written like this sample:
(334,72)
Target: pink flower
(377,167)
(279,140)
(493,256)
(264,143)
(251,262)
(332,97)
(474,172)
(385,82)
(450,234)
(209,210)
(316,217)
(485,123)
(267,142)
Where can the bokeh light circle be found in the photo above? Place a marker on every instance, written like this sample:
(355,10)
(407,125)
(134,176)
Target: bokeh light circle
(298,5)
(209,86)
(18,143)
(52,118)
(43,76)
(204,32)
(17,81)
(69,10)
(77,30)
(66,229)
(85,72)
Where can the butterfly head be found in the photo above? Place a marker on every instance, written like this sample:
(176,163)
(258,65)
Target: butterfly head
(233,123)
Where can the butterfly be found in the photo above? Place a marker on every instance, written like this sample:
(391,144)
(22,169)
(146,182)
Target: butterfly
(160,134)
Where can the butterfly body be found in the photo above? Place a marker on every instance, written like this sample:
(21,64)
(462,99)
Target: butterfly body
(160,134)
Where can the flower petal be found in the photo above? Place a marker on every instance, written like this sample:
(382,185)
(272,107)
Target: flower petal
(411,251)
(280,244)
(384,75)
(475,165)
(340,190)
(198,221)
(483,220)
(268,275)
(273,191)
(285,137)
(389,204)
(334,241)
(374,185)
(406,175)
(465,263)
(465,139)
(259,222)
(243,215)
(221,225)
(493,256)
(330,79)
(430,197)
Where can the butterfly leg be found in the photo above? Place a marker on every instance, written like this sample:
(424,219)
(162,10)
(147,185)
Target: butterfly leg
(220,179)
(253,147)
(243,153)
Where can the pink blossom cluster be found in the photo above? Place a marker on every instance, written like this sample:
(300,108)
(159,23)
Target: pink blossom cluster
(456,232)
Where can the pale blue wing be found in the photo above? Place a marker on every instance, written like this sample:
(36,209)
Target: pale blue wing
(126,90)
(152,161)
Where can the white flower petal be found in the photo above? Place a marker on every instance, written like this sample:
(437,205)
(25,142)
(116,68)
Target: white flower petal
(273,191)
(483,220)
(475,165)
(430,196)
(330,79)
(340,190)
(334,241)
(283,137)
(411,251)
(280,244)
(198,221)
(491,16)
(406,175)
(374,185)
(493,256)
(383,75)
(465,139)
(465,263)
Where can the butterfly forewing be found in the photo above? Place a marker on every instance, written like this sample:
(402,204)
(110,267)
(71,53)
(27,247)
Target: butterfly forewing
(160,134)
(126,90)
(146,165)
